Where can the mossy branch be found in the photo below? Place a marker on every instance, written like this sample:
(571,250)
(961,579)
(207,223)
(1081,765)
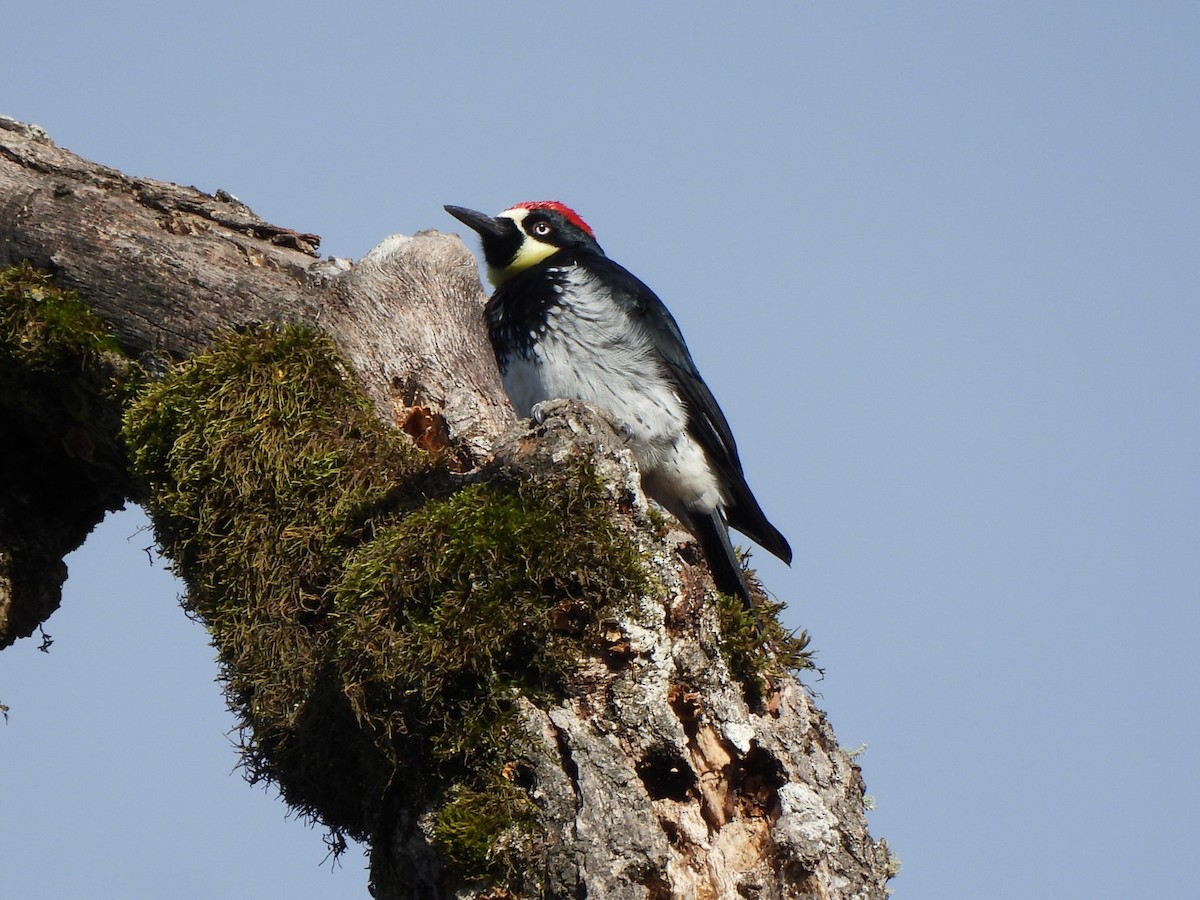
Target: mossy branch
(501,674)
(347,577)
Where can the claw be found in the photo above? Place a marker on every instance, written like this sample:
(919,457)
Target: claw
(545,409)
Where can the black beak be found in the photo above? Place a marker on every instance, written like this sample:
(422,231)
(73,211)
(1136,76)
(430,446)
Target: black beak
(488,227)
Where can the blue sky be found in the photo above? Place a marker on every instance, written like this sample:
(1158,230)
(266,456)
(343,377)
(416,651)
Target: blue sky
(939,263)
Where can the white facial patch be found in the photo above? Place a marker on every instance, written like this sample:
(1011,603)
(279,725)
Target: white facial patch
(530,253)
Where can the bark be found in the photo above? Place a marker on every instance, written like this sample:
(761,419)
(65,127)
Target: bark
(655,778)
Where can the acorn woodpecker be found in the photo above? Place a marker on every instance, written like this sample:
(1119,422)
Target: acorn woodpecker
(568,323)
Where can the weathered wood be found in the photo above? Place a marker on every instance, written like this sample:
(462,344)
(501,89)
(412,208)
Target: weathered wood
(167,266)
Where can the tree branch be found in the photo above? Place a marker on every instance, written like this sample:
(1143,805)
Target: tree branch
(629,761)
(168,266)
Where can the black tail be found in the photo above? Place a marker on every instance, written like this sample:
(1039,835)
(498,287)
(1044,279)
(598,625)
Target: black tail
(747,516)
(727,575)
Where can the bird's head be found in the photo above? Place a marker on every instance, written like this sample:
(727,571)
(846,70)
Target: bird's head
(525,235)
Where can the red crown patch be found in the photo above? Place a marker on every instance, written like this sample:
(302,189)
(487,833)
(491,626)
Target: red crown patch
(573,217)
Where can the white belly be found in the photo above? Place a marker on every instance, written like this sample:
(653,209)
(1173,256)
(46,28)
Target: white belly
(619,372)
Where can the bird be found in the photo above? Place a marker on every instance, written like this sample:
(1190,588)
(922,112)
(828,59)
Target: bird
(566,322)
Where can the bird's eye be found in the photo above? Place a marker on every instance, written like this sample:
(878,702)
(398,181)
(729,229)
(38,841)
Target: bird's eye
(542,229)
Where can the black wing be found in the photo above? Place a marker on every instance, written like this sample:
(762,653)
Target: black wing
(706,423)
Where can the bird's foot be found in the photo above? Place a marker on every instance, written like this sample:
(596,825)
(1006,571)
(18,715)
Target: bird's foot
(547,408)
(544,410)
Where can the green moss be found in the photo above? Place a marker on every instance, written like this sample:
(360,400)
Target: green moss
(452,612)
(61,368)
(45,327)
(63,383)
(375,620)
(265,445)
(757,647)
(262,465)
(484,833)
